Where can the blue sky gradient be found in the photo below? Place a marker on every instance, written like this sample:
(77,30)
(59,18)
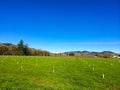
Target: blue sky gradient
(62,25)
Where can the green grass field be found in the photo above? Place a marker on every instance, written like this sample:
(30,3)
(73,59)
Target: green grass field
(59,73)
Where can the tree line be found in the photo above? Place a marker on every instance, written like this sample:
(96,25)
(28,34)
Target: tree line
(21,49)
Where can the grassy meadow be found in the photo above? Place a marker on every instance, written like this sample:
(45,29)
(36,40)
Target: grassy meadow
(59,73)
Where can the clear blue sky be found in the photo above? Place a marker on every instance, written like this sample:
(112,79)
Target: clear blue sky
(62,25)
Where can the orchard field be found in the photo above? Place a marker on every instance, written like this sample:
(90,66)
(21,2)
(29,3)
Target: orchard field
(59,73)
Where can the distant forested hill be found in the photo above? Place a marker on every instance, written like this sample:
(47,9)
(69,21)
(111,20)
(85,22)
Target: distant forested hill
(104,54)
(21,49)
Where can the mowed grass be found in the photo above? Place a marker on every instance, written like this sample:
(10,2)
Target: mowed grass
(59,73)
